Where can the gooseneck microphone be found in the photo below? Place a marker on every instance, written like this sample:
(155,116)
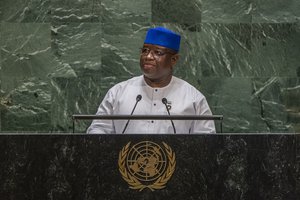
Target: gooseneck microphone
(138,98)
(165,101)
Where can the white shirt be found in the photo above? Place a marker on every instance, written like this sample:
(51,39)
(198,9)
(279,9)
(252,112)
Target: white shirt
(183,99)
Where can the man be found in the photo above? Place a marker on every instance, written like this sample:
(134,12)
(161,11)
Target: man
(156,92)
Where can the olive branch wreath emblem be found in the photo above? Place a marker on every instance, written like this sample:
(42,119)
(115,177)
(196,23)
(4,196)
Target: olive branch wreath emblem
(159,183)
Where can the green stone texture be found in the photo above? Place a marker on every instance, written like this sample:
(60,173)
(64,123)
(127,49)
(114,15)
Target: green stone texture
(59,57)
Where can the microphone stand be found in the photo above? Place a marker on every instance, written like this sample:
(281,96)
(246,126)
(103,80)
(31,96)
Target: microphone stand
(164,101)
(138,98)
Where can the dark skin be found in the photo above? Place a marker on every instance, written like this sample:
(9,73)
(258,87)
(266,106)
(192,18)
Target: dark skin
(158,70)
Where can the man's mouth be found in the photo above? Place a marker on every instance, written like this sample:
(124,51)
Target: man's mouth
(149,65)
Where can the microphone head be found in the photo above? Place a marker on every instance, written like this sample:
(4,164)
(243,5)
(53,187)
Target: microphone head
(138,97)
(164,100)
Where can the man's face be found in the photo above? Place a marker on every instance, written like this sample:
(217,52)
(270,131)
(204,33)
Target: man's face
(157,62)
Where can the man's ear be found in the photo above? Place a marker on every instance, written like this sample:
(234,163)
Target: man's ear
(174,59)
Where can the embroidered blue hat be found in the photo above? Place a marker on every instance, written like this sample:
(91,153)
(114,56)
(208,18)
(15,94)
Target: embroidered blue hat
(163,37)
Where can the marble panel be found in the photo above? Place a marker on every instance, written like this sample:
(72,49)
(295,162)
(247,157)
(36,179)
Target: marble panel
(121,45)
(297,166)
(77,44)
(254,104)
(240,50)
(26,61)
(27,108)
(126,11)
(274,50)
(78,85)
(227,11)
(25,50)
(28,11)
(80,94)
(279,11)
(232,98)
(187,13)
(290,94)
(221,50)
(76,11)
(293,51)
(2,102)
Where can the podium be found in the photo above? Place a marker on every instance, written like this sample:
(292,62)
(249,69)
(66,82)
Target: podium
(209,167)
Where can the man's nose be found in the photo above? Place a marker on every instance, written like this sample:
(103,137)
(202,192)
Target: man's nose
(150,55)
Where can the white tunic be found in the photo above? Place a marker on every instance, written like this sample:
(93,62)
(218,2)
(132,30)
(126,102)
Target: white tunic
(183,99)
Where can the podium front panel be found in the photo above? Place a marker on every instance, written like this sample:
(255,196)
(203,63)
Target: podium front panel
(155,167)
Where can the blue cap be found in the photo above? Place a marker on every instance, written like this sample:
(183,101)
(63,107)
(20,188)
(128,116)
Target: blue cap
(163,37)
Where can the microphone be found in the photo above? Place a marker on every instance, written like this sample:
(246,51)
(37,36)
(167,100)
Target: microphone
(138,98)
(165,101)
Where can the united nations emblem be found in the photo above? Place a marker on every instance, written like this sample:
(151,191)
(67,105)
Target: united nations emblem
(146,165)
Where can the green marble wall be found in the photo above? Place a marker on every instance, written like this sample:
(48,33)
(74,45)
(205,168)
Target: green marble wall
(59,57)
